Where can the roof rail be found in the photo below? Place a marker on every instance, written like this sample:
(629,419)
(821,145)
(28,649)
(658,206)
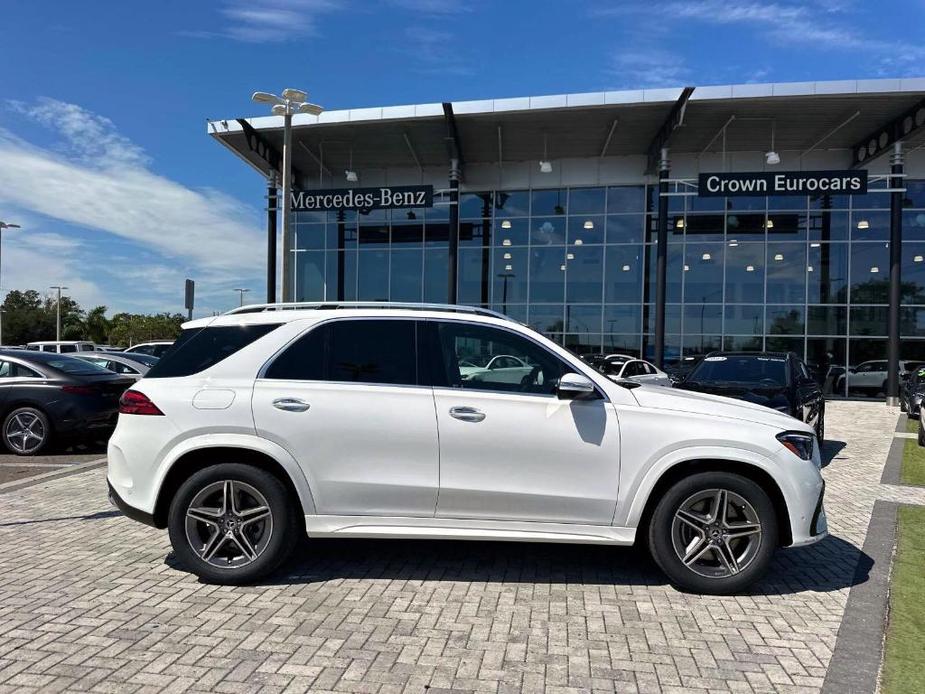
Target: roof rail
(333,305)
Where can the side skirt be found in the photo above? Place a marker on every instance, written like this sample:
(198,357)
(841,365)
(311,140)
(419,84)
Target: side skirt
(466,529)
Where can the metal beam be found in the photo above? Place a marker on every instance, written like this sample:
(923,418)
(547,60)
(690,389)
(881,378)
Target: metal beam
(881,140)
(673,121)
(317,159)
(830,133)
(257,144)
(453,145)
(414,154)
(613,127)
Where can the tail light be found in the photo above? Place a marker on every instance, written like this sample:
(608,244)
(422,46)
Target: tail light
(133,402)
(80,390)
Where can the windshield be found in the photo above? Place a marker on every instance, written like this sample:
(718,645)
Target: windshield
(770,371)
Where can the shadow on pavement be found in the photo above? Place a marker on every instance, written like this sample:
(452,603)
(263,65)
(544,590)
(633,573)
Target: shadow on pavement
(830,449)
(832,564)
(101,515)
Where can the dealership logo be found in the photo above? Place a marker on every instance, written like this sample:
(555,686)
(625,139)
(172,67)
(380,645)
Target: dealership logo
(783,183)
(394,197)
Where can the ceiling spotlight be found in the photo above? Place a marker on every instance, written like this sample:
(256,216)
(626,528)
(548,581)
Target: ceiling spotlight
(918,259)
(733,243)
(863,224)
(769,224)
(686,268)
(545,167)
(570,256)
(706,256)
(507,256)
(589,224)
(562,267)
(771,158)
(579,242)
(626,268)
(809,268)
(508,267)
(506,224)
(749,268)
(779,256)
(680,223)
(351,176)
(874,270)
(815,244)
(506,242)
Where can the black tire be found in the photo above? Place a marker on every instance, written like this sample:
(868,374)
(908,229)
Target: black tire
(820,428)
(271,538)
(30,420)
(921,434)
(661,534)
(902,405)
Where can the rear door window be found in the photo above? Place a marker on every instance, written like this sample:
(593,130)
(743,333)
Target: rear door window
(197,349)
(352,351)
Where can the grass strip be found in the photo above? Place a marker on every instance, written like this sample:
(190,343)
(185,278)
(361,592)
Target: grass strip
(912,425)
(913,469)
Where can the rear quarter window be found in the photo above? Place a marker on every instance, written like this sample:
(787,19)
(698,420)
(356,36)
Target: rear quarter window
(198,349)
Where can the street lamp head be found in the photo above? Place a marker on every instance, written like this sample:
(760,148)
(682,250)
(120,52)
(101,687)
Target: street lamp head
(295,95)
(313,109)
(266,98)
(279,109)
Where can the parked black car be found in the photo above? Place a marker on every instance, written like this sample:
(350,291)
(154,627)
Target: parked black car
(677,370)
(47,397)
(779,380)
(912,391)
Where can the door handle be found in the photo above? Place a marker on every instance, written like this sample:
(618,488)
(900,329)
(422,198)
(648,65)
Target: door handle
(290,404)
(467,414)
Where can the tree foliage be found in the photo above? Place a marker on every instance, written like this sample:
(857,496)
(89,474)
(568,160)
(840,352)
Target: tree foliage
(28,316)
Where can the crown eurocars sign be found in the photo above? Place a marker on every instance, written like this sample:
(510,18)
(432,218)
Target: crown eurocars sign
(849,182)
(383,197)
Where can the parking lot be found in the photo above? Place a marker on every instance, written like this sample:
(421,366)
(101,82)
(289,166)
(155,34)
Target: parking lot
(15,469)
(90,601)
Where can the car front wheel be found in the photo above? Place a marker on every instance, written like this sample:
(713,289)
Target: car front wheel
(713,532)
(232,523)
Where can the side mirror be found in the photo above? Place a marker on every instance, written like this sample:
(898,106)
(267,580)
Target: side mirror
(576,387)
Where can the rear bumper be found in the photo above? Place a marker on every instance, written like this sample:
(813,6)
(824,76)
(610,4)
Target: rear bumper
(130,511)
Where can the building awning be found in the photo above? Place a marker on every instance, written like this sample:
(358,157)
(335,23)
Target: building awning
(805,116)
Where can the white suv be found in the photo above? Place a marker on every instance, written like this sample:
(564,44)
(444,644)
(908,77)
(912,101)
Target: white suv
(356,420)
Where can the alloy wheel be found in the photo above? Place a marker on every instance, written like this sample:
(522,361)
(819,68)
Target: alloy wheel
(229,524)
(25,432)
(716,533)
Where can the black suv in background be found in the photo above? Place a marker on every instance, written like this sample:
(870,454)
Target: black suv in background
(779,380)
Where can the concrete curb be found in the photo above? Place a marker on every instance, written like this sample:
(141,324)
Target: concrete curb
(15,485)
(855,664)
(892,470)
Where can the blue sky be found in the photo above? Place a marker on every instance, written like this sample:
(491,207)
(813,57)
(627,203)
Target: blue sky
(104,157)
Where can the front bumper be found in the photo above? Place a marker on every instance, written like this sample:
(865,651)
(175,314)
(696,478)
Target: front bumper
(818,524)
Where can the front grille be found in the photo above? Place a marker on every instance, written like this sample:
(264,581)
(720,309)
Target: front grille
(814,526)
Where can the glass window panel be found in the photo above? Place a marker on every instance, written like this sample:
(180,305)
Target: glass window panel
(582,344)
(346,292)
(785,320)
(510,232)
(710,204)
(309,236)
(827,358)
(407,232)
(741,226)
(626,199)
(870,225)
(548,202)
(582,319)
(827,320)
(701,344)
(437,213)
(744,320)
(516,312)
(870,273)
(783,226)
(742,343)
(703,227)
(745,273)
(373,275)
(869,376)
(776,343)
(547,274)
(510,275)
(826,225)
(747,203)
(676,224)
(672,318)
(674,270)
(475,205)
(703,273)
(436,264)
(474,277)
(584,274)
(912,350)
(584,201)
(703,318)
(913,273)
(915,194)
(912,322)
(787,202)
(914,225)
(786,273)
(374,233)
(436,233)
(585,229)
(333,231)
(547,231)
(672,347)
(622,344)
(406,271)
(829,202)
(622,318)
(868,320)
(626,228)
(547,318)
(512,203)
(872,200)
(473,232)
(827,273)
(307,216)
(308,276)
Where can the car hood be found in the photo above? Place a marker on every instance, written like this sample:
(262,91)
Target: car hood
(769,395)
(714,405)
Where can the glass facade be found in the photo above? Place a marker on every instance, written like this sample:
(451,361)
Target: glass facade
(809,275)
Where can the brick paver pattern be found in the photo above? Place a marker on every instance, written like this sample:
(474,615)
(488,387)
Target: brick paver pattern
(90,601)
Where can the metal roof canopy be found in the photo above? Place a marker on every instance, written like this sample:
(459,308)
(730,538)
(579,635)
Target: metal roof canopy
(823,115)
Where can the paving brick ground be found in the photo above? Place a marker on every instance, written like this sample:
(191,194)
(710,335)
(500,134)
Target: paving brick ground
(90,601)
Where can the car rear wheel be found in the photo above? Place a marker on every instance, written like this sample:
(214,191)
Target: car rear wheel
(232,523)
(26,431)
(713,532)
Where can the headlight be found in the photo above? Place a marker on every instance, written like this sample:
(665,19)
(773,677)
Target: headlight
(800,444)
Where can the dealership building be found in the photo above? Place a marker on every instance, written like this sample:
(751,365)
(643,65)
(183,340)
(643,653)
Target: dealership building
(660,222)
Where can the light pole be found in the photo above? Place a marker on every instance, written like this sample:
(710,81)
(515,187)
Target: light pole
(241,293)
(58,311)
(3,226)
(505,276)
(291,101)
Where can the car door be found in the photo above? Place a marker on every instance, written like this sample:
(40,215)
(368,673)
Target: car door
(514,451)
(347,401)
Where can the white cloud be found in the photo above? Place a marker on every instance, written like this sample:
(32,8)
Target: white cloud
(434,51)
(268,21)
(647,67)
(433,6)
